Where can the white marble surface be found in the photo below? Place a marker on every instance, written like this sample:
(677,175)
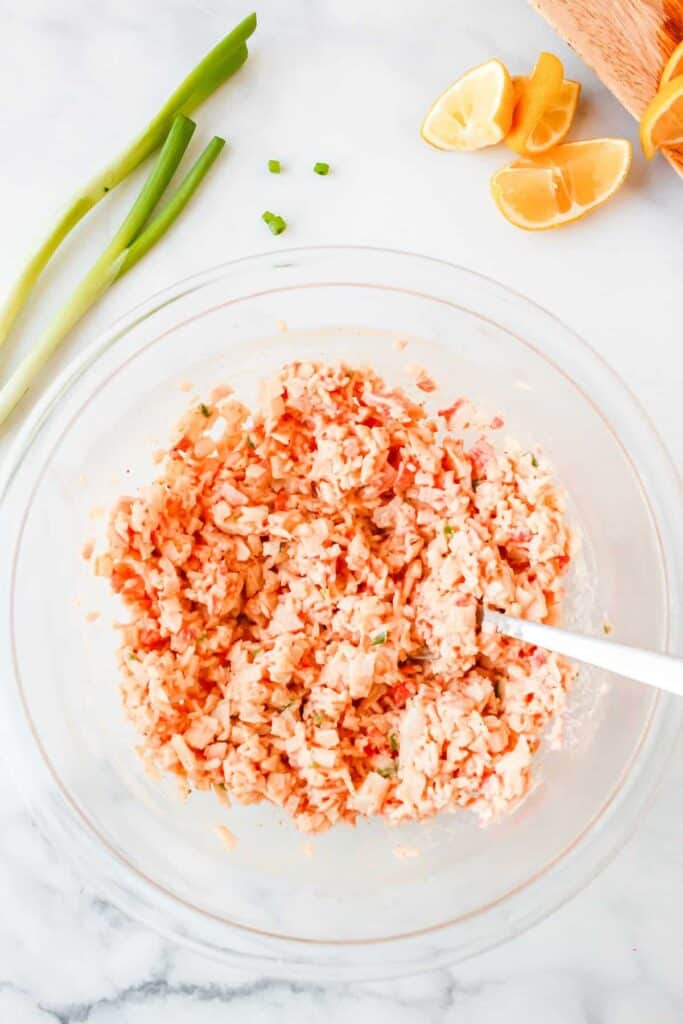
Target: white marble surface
(345,81)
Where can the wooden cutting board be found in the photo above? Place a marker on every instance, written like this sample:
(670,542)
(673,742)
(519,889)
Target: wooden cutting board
(626,43)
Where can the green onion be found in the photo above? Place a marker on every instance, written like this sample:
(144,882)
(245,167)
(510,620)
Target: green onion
(318,719)
(321,168)
(204,410)
(386,773)
(393,742)
(250,443)
(381,638)
(174,207)
(448,529)
(216,67)
(276,223)
(534,462)
(114,261)
(274,166)
(607,629)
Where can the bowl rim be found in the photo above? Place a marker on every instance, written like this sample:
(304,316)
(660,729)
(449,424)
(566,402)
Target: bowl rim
(147,309)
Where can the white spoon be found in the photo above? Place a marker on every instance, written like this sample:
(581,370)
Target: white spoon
(661,670)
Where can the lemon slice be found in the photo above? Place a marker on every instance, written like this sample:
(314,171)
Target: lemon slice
(537,193)
(541,89)
(556,119)
(473,112)
(662,122)
(673,67)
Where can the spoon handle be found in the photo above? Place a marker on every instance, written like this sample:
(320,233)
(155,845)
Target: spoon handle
(661,670)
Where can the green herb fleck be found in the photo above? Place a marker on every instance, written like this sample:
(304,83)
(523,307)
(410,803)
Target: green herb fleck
(386,773)
(201,638)
(275,222)
(318,719)
(250,443)
(288,705)
(321,168)
(448,530)
(132,656)
(606,628)
(534,462)
(205,411)
(381,638)
(393,742)
(274,166)
(324,593)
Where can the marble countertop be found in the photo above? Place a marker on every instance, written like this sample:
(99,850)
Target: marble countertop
(345,82)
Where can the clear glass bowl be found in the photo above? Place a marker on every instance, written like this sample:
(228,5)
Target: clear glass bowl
(353,908)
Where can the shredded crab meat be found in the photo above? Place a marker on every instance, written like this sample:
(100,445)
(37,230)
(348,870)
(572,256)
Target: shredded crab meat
(227,837)
(302,584)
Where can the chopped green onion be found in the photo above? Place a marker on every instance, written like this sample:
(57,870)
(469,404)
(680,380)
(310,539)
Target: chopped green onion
(321,168)
(386,773)
(250,443)
(607,629)
(534,462)
(448,530)
(276,223)
(110,265)
(204,410)
(381,638)
(288,705)
(318,719)
(393,742)
(274,166)
(216,67)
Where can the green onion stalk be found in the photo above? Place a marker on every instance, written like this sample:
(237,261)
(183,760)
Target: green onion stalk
(216,67)
(136,236)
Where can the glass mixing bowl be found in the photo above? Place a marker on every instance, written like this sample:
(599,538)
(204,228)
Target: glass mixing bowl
(352,908)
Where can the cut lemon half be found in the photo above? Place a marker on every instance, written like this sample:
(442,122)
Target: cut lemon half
(537,193)
(662,122)
(473,112)
(673,67)
(556,119)
(540,91)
